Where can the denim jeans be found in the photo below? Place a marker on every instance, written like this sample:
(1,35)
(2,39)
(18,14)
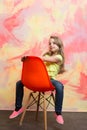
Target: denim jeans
(19,94)
(58,95)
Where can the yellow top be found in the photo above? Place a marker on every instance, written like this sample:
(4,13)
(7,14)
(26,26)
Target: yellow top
(53,68)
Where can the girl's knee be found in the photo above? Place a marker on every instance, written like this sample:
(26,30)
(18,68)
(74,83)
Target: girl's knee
(19,83)
(60,87)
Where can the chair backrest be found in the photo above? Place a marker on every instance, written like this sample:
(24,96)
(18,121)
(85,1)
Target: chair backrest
(35,76)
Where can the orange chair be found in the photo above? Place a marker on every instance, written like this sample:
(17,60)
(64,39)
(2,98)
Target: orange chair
(35,77)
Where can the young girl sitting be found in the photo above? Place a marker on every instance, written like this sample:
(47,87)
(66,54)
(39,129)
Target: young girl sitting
(54,61)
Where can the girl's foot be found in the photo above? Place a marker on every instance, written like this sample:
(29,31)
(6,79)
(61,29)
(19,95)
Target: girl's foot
(59,119)
(16,113)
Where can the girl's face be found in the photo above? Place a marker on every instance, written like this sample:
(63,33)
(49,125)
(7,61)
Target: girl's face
(53,47)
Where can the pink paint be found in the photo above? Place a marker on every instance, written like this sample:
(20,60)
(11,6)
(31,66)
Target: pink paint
(7,25)
(16,2)
(82,87)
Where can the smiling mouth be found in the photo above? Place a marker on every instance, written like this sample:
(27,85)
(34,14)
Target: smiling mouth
(51,48)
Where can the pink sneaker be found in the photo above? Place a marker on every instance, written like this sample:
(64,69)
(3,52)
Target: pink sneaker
(15,113)
(59,119)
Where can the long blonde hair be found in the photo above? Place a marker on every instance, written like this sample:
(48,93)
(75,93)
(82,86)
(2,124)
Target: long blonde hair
(59,43)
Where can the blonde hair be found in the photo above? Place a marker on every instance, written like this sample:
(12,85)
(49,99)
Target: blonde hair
(59,43)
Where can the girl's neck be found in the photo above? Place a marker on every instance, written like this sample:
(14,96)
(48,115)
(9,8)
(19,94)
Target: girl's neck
(53,53)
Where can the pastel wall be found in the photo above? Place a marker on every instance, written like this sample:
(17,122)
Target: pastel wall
(25,27)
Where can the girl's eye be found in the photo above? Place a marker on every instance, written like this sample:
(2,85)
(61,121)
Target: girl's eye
(49,43)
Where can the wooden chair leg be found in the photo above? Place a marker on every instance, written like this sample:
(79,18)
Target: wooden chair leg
(25,108)
(45,113)
(53,98)
(38,102)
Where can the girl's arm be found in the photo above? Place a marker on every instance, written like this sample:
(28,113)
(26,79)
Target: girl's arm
(51,59)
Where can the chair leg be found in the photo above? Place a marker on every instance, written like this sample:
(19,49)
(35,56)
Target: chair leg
(25,108)
(45,113)
(38,102)
(53,97)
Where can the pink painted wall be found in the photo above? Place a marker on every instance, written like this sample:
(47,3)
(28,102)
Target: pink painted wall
(25,27)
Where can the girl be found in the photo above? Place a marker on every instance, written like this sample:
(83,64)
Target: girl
(54,61)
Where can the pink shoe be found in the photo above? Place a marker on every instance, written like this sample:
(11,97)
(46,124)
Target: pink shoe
(59,119)
(15,113)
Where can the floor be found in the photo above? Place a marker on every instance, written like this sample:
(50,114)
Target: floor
(73,121)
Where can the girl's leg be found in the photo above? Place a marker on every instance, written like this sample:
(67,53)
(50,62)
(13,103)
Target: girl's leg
(59,96)
(19,95)
(18,101)
(58,100)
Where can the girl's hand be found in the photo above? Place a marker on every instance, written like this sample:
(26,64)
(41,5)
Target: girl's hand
(43,58)
(24,58)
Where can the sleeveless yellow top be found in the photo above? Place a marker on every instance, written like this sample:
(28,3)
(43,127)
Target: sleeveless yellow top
(53,68)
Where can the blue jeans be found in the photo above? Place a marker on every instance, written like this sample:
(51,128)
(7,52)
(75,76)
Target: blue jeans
(58,95)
